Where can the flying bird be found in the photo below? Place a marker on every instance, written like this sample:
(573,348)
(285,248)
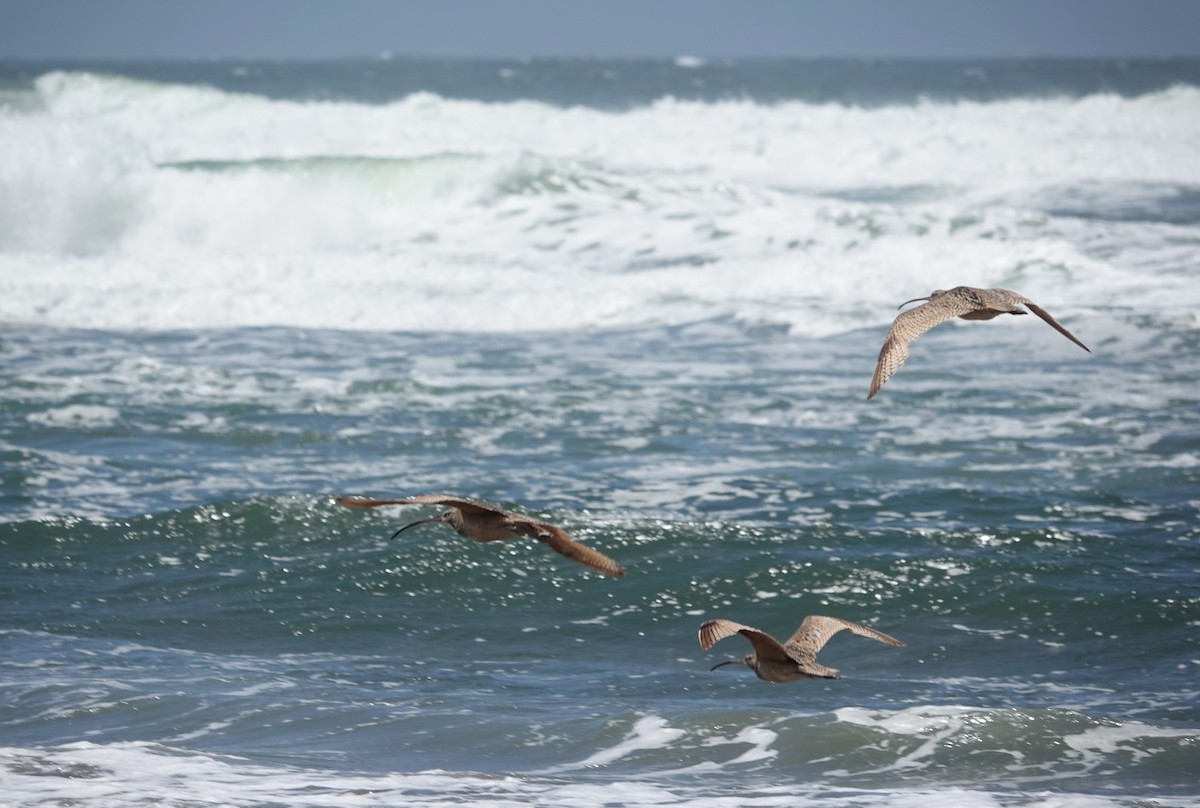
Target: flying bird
(480,521)
(795,659)
(966,302)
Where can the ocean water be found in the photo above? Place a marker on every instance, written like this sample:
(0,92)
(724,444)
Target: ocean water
(641,300)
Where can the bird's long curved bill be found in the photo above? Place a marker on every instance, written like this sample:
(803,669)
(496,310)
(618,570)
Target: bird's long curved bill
(726,662)
(414,524)
(914,300)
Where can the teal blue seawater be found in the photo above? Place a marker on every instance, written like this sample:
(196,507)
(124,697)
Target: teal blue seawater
(211,331)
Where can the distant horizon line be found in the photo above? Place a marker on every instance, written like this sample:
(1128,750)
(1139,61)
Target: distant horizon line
(682,60)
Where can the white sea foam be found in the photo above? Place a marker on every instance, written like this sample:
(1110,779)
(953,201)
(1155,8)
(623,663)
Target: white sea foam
(650,732)
(131,204)
(933,725)
(1129,738)
(923,736)
(758,738)
(133,773)
(77,416)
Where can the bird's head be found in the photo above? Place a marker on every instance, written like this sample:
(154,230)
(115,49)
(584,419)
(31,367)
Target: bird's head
(451,517)
(747,660)
(935,293)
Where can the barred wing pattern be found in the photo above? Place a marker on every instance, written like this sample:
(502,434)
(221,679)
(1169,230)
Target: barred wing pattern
(816,630)
(561,542)
(464,505)
(961,301)
(907,327)
(766,646)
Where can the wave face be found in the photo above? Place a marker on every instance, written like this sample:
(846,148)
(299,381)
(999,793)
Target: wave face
(641,301)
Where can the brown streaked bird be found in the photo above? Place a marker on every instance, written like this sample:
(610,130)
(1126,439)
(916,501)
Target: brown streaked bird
(966,302)
(794,659)
(480,521)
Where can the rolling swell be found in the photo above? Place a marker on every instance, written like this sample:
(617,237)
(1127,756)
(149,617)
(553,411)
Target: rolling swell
(212,329)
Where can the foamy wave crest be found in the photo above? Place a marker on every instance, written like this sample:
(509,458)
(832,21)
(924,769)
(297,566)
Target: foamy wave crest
(1014,143)
(67,189)
(131,204)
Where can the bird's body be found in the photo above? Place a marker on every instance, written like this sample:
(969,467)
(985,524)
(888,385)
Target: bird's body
(965,302)
(774,661)
(481,521)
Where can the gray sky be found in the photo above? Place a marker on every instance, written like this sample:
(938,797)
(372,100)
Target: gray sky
(316,29)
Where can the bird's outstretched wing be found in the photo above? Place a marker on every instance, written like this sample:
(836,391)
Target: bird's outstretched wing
(765,646)
(1055,324)
(816,630)
(561,542)
(464,505)
(907,327)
